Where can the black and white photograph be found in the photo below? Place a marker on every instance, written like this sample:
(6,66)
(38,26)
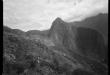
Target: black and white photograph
(55,37)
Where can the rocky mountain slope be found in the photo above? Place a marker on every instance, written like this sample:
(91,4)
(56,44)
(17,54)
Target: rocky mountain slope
(78,48)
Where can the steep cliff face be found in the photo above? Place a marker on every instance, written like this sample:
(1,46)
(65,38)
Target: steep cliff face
(91,43)
(58,30)
(98,22)
(91,32)
(81,39)
(86,40)
(61,34)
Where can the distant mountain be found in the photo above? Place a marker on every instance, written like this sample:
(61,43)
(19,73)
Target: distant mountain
(58,29)
(82,35)
(14,31)
(98,22)
(78,48)
(37,32)
(88,37)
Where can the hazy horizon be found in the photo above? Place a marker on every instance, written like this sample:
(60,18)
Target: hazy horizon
(38,15)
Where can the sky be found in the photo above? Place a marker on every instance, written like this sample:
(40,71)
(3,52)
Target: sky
(39,14)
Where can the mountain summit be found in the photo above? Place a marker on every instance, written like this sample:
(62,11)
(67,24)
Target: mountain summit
(58,19)
(58,28)
(87,34)
(57,23)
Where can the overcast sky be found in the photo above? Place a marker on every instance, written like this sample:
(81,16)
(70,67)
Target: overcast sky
(39,14)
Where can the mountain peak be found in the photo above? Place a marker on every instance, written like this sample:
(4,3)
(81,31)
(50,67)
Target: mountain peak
(57,28)
(57,21)
(57,24)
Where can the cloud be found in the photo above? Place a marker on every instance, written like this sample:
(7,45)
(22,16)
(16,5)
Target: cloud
(35,14)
